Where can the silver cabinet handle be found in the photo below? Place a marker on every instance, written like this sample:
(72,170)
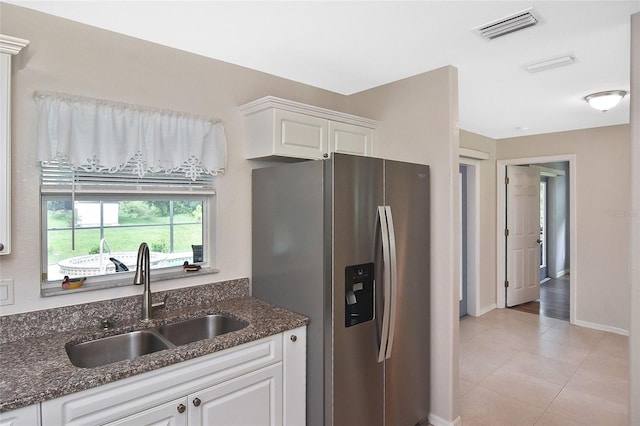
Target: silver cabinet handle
(181,408)
(293,338)
(197,402)
(1,246)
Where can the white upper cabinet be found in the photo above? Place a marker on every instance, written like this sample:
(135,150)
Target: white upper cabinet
(350,139)
(9,46)
(281,128)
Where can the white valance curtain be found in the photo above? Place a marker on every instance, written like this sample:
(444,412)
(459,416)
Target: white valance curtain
(96,135)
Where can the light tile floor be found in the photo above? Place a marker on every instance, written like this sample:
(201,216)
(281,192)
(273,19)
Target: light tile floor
(518,368)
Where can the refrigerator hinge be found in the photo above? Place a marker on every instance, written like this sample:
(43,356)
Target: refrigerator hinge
(506,284)
(506,180)
(506,232)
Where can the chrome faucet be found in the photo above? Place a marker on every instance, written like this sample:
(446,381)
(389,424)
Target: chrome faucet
(143,276)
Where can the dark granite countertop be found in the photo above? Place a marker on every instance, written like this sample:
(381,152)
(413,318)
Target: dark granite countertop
(36,368)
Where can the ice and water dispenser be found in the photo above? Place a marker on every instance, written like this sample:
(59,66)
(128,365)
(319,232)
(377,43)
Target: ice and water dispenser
(359,294)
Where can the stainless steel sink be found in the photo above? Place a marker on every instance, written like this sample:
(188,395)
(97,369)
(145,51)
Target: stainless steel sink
(116,348)
(189,331)
(136,343)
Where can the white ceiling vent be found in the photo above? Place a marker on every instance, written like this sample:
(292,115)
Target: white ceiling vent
(547,64)
(509,24)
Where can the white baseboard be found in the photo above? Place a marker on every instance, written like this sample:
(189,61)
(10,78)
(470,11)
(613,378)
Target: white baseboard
(486,309)
(602,327)
(561,274)
(439,421)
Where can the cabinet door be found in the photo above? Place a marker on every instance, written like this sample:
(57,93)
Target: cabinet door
(350,139)
(294,376)
(25,416)
(299,135)
(254,399)
(173,413)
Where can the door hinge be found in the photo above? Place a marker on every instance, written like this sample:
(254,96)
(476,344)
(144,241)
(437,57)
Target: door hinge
(506,232)
(506,180)
(506,284)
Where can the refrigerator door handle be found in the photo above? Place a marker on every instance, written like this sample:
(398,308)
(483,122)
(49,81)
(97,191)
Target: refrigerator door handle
(386,259)
(393,268)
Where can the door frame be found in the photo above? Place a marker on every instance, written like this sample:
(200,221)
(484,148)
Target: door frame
(473,237)
(501,224)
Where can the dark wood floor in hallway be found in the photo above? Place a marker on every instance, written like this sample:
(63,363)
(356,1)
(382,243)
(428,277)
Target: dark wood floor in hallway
(553,302)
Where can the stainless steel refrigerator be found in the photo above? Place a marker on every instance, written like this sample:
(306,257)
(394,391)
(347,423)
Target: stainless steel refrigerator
(345,241)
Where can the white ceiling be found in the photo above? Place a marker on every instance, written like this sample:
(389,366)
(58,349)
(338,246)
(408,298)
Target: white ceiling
(350,46)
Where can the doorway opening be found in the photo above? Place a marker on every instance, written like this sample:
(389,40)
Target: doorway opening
(555,225)
(469,240)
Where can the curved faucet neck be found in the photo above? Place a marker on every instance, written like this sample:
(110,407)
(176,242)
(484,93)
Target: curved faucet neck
(143,276)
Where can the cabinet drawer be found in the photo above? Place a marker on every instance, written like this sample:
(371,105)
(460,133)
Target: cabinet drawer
(172,413)
(131,395)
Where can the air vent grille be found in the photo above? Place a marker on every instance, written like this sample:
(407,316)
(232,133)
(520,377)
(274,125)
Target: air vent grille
(509,24)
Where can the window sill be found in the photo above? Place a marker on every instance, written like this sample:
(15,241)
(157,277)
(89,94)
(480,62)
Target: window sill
(121,279)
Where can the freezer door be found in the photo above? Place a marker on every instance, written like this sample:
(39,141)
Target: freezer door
(358,378)
(288,229)
(407,369)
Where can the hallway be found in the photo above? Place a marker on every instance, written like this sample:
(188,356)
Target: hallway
(518,368)
(554,299)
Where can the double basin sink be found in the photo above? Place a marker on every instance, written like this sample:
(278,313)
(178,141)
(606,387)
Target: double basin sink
(133,344)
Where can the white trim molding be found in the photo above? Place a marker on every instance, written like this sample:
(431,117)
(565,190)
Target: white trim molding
(549,172)
(501,224)
(473,153)
(439,421)
(12,45)
(602,327)
(9,46)
(486,309)
(473,235)
(300,108)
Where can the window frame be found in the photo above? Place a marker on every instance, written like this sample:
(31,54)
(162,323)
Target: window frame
(97,282)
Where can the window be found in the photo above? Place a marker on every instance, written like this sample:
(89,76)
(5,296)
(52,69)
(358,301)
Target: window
(100,235)
(94,222)
(115,175)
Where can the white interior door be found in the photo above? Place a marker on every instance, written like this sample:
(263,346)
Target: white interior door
(523,226)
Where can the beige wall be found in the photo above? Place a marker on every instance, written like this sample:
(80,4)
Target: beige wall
(634,396)
(487,218)
(68,57)
(603,220)
(418,123)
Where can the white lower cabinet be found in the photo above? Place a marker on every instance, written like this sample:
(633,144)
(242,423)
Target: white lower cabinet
(173,413)
(251,400)
(248,385)
(25,416)
(254,399)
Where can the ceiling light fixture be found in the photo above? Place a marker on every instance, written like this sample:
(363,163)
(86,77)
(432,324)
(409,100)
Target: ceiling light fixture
(604,101)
